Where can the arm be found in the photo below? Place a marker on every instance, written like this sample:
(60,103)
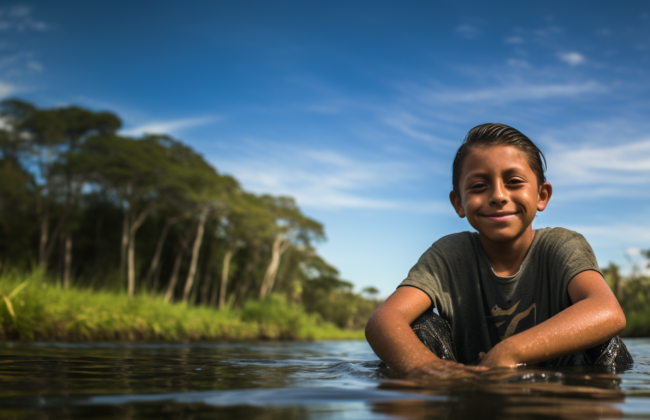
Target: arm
(391,337)
(594,316)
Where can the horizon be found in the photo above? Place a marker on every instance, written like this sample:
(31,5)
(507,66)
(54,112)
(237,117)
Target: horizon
(357,110)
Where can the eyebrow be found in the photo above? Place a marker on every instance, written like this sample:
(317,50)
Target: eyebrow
(485,175)
(478,175)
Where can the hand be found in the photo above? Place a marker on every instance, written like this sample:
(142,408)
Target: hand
(499,356)
(447,369)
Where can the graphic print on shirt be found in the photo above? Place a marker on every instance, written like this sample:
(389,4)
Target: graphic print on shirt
(510,322)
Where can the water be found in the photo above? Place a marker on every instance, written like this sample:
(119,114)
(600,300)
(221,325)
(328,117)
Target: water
(285,381)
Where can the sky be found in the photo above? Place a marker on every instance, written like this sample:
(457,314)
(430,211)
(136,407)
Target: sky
(356,109)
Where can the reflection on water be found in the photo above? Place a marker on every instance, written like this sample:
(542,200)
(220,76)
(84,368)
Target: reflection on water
(318,380)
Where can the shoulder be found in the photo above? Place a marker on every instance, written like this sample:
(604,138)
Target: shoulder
(559,236)
(453,242)
(561,241)
(448,249)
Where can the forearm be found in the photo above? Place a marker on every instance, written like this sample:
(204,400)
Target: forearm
(393,340)
(581,326)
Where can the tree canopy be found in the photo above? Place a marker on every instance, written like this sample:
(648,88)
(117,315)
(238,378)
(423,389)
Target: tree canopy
(149,214)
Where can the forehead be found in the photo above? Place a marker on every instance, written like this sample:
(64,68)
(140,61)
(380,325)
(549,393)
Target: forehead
(494,159)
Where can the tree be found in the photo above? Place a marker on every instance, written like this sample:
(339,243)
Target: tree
(135,170)
(55,135)
(290,227)
(247,224)
(613,279)
(370,291)
(211,195)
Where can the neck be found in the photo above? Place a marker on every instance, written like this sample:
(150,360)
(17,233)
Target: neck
(506,257)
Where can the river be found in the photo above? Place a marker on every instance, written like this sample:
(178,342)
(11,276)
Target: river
(294,380)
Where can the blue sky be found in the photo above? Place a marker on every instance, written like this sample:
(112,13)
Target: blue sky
(357,108)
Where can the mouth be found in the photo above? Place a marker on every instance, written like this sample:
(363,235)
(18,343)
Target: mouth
(500,217)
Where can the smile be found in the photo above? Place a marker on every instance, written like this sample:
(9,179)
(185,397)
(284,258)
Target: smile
(499,218)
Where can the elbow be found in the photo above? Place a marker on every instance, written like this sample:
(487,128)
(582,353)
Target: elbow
(615,320)
(619,320)
(370,328)
(367,329)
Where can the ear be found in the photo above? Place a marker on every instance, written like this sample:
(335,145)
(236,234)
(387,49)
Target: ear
(458,205)
(545,193)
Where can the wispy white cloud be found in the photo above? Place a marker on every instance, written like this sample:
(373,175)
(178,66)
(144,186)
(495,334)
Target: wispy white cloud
(6,89)
(633,251)
(518,62)
(19,18)
(415,127)
(609,168)
(324,179)
(169,126)
(34,66)
(512,92)
(19,63)
(514,40)
(468,31)
(609,234)
(323,109)
(572,58)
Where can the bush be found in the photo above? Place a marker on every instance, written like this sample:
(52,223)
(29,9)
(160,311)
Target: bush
(43,310)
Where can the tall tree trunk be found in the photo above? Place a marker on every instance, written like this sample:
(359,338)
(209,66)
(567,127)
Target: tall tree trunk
(203,217)
(53,237)
(135,225)
(224,278)
(205,288)
(130,263)
(159,247)
(213,295)
(49,248)
(278,248)
(196,288)
(67,263)
(125,241)
(98,237)
(42,244)
(173,279)
(156,279)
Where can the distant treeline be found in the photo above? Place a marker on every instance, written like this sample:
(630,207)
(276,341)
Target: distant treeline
(633,293)
(104,211)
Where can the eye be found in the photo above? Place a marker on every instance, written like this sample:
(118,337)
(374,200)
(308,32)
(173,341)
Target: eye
(478,186)
(516,181)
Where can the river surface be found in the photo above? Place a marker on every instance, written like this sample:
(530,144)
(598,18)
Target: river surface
(285,381)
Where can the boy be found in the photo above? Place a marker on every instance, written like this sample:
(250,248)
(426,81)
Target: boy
(512,295)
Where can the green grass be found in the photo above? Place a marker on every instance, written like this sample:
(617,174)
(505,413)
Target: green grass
(638,324)
(42,310)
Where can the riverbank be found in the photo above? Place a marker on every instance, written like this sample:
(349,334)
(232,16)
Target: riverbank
(638,323)
(33,308)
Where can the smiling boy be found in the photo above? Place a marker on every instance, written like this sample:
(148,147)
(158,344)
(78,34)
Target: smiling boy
(512,295)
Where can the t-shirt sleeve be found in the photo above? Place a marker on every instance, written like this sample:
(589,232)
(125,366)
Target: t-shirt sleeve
(431,275)
(573,256)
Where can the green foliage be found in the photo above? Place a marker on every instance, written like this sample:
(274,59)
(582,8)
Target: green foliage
(633,293)
(109,213)
(45,311)
(275,315)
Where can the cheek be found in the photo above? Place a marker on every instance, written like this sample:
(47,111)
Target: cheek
(472,202)
(529,199)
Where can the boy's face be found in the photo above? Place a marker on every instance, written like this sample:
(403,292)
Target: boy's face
(499,193)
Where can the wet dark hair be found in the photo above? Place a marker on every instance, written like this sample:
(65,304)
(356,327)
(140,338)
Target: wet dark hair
(492,134)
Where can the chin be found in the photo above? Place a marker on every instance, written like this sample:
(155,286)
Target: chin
(501,237)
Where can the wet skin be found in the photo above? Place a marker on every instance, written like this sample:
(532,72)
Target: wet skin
(500,195)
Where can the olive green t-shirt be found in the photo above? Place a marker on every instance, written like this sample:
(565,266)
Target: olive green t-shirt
(484,308)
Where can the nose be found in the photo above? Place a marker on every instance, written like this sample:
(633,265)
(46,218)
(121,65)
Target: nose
(499,194)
